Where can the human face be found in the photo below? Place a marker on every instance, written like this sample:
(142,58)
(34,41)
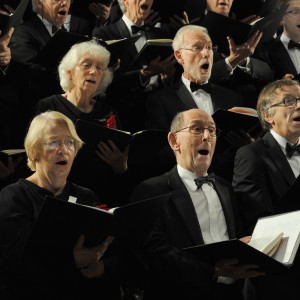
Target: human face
(196,64)
(291,21)
(285,120)
(219,6)
(54,11)
(138,10)
(87,75)
(53,164)
(194,152)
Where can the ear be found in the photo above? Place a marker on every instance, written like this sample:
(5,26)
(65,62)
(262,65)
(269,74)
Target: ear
(268,118)
(178,56)
(173,141)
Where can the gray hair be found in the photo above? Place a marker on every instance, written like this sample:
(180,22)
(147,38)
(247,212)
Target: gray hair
(178,41)
(73,56)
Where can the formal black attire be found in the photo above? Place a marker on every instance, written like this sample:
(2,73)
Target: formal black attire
(47,275)
(127,92)
(27,41)
(262,175)
(281,61)
(172,273)
(88,169)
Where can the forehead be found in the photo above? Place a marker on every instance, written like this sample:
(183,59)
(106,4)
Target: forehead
(195,37)
(56,127)
(198,117)
(287,90)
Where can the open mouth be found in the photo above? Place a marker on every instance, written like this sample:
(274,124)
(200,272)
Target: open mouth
(61,162)
(144,6)
(297,119)
(203,152)
(62,12)
(205,66)
(91,81)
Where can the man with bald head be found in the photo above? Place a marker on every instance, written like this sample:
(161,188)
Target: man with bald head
(195,215)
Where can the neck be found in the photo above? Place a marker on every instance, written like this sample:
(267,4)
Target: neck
(55,187)
(84,103)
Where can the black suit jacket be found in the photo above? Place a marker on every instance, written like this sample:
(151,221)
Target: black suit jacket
(280,59)
(262,175)
(173,274)
(27,41)
(163,105)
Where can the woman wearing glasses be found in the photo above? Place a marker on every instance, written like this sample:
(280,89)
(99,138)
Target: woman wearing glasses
(266,169)
(51,145)
(84,76)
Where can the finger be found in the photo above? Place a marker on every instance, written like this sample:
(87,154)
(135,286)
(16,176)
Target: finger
(79,243)
(186,17)
(9,8)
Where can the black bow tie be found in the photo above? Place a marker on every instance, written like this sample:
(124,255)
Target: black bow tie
(291,149)
(205,87)
(201,180)
(145,27)
(293,44)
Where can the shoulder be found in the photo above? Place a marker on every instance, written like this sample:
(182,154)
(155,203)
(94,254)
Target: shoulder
(84,195)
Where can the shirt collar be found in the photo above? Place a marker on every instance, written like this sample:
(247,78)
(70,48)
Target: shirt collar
(187,178)
(129,23)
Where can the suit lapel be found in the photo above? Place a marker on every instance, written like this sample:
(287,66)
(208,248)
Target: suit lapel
(183,203)
(278,158)
(185,96)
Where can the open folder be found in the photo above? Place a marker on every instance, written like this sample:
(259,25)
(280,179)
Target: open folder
(61,42)
(60,223)
(235,248)
(14,19)
(219,27)
(153,49)
(143,144)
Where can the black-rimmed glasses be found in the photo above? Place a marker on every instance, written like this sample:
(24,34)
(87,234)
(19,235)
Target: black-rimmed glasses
(288,101)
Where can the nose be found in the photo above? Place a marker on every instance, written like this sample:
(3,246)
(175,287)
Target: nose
(206,134)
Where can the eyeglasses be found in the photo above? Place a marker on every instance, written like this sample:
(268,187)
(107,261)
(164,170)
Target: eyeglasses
(288,101)
(87,65)
(200,48)
(55,144)
(294,12)
(197,130)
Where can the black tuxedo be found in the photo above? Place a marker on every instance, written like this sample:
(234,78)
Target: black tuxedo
(262,175)
(172,273)
(163,105)
(280,59)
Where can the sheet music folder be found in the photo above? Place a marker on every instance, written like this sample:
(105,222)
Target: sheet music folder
(227,120)
(143,144)
(237,249)
(60,223)
(61,42)
(6,22)
(219,27)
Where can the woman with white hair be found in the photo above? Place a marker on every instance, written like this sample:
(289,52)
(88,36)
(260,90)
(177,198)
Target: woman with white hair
(84,76)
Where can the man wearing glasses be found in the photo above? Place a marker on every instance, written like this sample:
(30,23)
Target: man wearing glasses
(201,210)
(264,171)
(284,51)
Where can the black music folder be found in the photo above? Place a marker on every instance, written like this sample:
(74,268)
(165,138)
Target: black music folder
(235,248)
(13,153)
(219,27)
(143,144)
(227,121)
(60,223)
(59,44)
(14,19)
(153,49)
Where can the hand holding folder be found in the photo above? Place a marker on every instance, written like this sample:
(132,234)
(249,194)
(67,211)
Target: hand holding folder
(60,224)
